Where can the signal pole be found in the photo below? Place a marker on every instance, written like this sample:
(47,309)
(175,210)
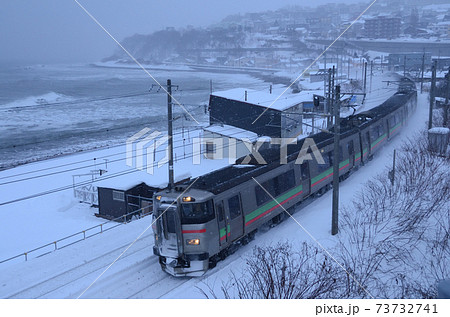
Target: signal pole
(328,97)
(337,131)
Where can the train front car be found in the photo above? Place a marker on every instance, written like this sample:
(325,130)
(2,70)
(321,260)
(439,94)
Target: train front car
(185,231)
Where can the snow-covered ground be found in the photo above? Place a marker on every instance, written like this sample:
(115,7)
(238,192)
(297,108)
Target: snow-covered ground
(68,272)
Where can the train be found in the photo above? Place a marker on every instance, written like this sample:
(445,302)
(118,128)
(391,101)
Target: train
(204,220)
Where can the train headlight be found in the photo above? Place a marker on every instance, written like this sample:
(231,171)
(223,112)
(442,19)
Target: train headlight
(193,241)
(158,197)
(188,199)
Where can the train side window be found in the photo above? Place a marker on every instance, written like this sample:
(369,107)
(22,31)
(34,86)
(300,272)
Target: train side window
(277,186)
(234,205)
(261,195)
(328,158)
(220,211)
(290,179)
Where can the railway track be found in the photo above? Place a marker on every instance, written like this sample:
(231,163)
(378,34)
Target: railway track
(79,275)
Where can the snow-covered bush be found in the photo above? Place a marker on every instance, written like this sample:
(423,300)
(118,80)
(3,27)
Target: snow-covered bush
(280,272)
(395,238)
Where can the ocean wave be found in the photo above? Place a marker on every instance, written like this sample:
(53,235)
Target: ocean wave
(33,101)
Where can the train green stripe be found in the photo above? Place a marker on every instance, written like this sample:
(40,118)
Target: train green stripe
(272,203)
(395,127)
(378,141)
(328,172)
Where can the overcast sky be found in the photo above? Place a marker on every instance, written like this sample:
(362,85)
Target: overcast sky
(44,31)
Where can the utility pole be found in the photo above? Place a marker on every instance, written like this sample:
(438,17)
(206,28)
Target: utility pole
(365,76)
(371,75)
(432,95)
(392,172)
(335,210)
(332,92)
(170,131)
(423,69)
(325,85)
(328,98)
(381,63)
(348,71)
(447,97)
(404,65)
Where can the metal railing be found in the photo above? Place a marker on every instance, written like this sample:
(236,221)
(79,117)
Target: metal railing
(80,236)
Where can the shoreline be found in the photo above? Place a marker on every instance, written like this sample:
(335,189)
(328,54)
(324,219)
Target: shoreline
(265,75)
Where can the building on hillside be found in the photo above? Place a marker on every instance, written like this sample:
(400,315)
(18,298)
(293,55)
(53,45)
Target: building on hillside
(382,27)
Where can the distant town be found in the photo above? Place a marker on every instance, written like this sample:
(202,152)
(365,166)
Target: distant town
(291,38)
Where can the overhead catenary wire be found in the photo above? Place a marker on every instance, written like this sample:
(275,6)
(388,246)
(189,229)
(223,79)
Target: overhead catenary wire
(74,102)
(67,187)
(102,157)
(95,164)
(99,158)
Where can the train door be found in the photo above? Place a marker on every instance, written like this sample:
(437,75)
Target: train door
(169,231)
(367,141)
(351,153)
(236,217)
(223,222)
(305,179)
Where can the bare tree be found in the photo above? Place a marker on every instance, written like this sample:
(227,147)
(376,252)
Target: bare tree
(279,272)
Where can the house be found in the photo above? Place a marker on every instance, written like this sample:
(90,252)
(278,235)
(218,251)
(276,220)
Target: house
(119,199)
(273,114)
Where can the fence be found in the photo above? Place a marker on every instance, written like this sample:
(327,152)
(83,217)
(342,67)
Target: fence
(79,236)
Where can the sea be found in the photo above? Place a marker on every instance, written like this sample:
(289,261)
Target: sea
(52,110)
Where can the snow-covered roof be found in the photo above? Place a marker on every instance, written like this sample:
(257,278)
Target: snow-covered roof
(439,130)
(266,99)
(232,132)
(187,164)
(130,180)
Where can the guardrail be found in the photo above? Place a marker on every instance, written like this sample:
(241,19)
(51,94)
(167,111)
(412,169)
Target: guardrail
(79,236)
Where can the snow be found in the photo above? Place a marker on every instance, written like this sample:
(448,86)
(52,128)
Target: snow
(232,132)
(62,208)
(68,272)
(267,99)
(439,130)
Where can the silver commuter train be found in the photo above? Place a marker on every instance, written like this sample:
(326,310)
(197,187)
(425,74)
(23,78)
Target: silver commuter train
(195,228)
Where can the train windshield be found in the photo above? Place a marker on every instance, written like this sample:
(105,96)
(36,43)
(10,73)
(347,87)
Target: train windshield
(197,212)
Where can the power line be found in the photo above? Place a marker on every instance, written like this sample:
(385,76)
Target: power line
(102,157)
(93,165)
(73,102)
(59,189)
